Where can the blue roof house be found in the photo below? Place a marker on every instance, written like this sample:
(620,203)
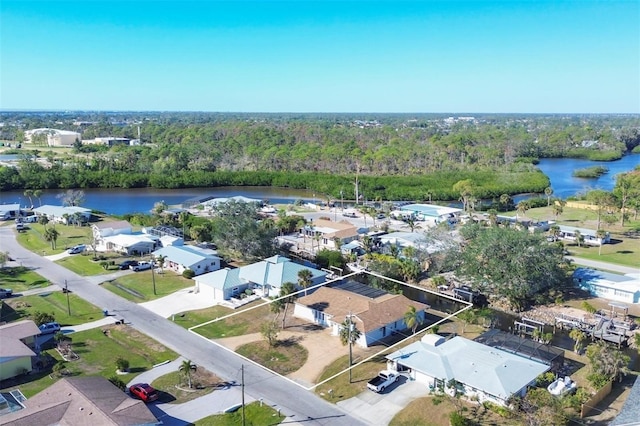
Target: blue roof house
(179,258)
(265,278)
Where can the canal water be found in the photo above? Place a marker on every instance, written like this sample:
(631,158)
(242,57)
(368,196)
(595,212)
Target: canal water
(141,200)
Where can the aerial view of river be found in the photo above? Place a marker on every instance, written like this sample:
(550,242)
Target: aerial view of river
(119,201)
(564,184)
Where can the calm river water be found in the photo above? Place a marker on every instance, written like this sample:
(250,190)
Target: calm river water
(122,201)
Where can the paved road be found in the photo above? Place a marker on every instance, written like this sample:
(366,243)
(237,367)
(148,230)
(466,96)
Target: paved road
(299,405)
(604,265)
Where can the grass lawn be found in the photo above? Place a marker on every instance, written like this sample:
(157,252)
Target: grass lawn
(236,325)
(97,354)
(255,415)
(33,238)
(284,358)
(174,387)
(20,278)
(625,247)
(340,387)
(138,287)
(83,264)
(55,303)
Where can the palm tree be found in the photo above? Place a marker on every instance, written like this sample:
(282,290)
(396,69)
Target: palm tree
(413,318)
(505,199)
(410,269)
(304,279)
(29,193)
(286,293)
(579,238)
(600,234)
(187,368)
(522,207)
(43,220)
(349,333)
(558,207)
(493,217)
(548,191)
(554,232)
(51,235)
(160,259)
(411,222)
(38,194)
(276,307)
(579,336)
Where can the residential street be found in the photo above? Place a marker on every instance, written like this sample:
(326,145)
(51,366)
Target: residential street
(620,269)
(297,404)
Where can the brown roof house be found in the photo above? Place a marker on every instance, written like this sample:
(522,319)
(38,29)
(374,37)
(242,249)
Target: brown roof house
(81,401)
(17,347)
(325,232)
(376,314)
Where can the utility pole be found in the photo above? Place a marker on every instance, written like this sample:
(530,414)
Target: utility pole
(66,290)
(243,418)
(153,276)
(350,324)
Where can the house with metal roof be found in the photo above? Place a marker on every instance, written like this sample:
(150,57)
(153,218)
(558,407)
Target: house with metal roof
(621,288)
(375,313)
(629,414)
(81,401)
(431,212)
(17,347)
(180,258)
(131,244)
(569,233)
(63,214)
(483,372)
(265,277)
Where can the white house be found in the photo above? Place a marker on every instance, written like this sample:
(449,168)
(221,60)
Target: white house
(484,372)
(621,288)
(375,313)
(326,232)
(569,233)
(180,258)
(54,137)
(130,244)
(63,214)
(431,213)
(107,229)
(266,277)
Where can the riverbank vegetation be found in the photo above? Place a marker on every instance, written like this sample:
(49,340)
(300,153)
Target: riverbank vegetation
(590,172)
(402,157)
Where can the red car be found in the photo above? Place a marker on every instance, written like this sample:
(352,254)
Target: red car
(144,392)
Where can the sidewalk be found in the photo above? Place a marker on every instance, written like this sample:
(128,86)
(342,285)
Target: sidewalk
(89,325)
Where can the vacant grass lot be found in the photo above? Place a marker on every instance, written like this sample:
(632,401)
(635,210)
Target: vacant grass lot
(33,238)
(20,278)
(97,354)
(236,325)
(174,387)
(283,358)
(54,303)
(138,287)
(83,264)
(625,247)
(256,414)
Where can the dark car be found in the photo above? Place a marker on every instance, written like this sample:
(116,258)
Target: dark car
(49,327)
(127,264)
(144,392)
(76,249)
(5,292)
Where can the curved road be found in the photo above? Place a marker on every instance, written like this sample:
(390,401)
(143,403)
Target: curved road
(297,404)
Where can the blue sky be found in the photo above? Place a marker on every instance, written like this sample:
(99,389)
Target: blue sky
(322,56)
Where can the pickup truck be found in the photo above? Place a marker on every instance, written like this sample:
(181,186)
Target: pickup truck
(383,380)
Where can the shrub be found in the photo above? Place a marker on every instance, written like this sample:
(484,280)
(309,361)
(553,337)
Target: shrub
(457,419)
(588,307)
(58,367)
(42,317)
(122,364)
(118,383)
(188,274)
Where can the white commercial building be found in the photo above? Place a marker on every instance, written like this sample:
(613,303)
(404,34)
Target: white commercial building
(54,137)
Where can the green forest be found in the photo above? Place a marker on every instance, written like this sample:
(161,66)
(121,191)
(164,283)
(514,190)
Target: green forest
(393,156)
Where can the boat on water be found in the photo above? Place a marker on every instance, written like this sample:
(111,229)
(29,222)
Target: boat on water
(562,386)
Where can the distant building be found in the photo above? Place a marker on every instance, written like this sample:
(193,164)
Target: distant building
(431,213)
(63,214)
(108,141)
(54,137)
(569,233)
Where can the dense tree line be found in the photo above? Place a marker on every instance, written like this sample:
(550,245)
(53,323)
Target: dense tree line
(396,156)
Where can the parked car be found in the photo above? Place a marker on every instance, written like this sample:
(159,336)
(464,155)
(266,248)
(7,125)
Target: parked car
(127,264)
(5,292)
(49,327)
(383,380)
(76,249)
(143,391)
(141,266)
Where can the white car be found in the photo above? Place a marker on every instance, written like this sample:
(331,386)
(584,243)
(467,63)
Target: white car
(141,266)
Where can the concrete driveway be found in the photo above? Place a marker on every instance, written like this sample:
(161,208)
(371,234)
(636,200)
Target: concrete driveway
(379,408)
(178,302)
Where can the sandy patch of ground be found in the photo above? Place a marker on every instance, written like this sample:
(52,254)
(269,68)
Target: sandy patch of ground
(323,349)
